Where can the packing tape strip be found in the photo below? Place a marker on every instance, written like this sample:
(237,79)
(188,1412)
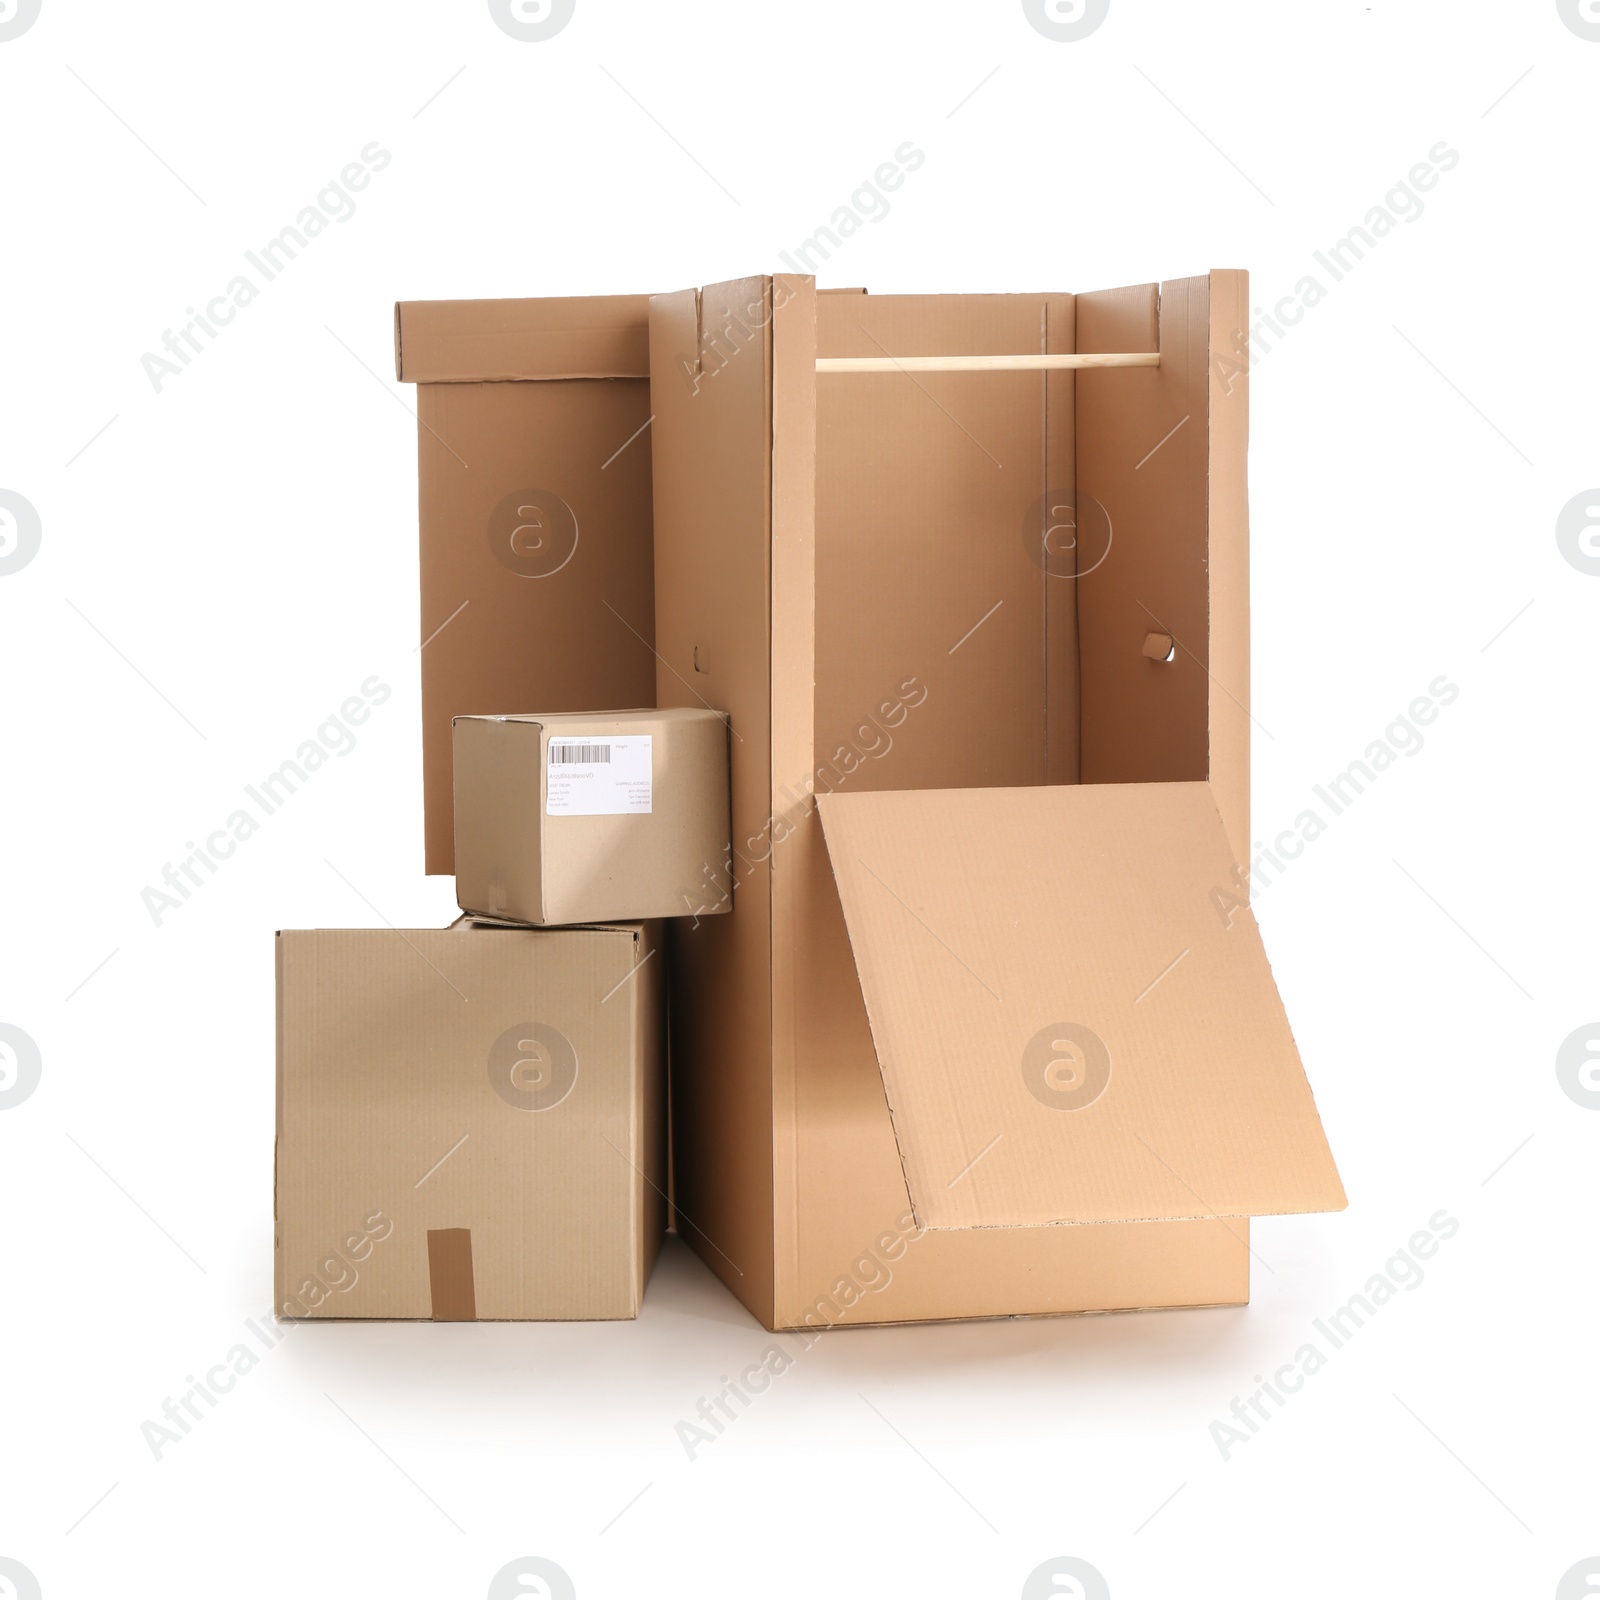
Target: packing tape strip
(450,1275)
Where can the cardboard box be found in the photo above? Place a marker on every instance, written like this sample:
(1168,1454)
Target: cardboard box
(592,817)
(470,1122)
(991,1029)
(533,462)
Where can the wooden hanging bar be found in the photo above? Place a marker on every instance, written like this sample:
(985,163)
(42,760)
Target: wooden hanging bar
(1076,363)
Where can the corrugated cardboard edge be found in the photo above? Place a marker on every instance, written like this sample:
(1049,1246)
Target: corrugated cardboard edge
(1011,1316)
(713,569)
(648,1124)
(279,1297)
(1063,732)
(1228,516)
(792,623)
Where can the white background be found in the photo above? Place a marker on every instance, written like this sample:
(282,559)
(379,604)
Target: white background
(224,562)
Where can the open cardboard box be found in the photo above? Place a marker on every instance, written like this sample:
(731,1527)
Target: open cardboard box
(990,1030)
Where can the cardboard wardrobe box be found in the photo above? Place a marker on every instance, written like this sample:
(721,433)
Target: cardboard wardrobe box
(990,1029)
(470,1122)
(533,465)
(593,816)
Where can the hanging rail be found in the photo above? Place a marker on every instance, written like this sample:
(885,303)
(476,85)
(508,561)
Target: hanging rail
(1078,363)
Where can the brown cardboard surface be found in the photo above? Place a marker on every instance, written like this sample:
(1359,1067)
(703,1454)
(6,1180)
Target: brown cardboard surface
(1069,1029)
(1142,456)
(925,483)
(534,514)
(487,341)
(895,1274)
(517,860)
(470,1122)
(1063,647)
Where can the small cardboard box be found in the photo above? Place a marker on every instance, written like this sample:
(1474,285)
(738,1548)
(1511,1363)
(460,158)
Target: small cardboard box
(533,461)
(470,1122)
(597,817)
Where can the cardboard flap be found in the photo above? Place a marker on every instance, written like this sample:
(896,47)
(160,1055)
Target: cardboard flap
(1072,1009)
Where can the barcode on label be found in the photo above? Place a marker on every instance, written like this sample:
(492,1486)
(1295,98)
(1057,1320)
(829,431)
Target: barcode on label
(599,777)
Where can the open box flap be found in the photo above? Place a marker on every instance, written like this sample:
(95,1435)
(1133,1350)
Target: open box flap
(1072,1011)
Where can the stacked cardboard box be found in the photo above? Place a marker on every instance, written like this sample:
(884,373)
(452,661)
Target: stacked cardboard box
(466,1127)
(486,1103)
(969,1013)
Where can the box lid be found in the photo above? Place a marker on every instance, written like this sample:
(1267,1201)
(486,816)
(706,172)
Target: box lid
(1074,1019)
(483,341)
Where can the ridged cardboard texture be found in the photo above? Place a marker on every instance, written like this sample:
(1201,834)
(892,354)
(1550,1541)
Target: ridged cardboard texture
(470,1122)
